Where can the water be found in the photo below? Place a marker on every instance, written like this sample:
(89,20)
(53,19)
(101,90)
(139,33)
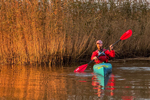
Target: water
(128,81)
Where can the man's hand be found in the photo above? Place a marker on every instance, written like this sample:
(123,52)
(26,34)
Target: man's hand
(95,58)
(110,47)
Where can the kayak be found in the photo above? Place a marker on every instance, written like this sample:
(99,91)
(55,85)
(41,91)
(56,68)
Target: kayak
(102,68)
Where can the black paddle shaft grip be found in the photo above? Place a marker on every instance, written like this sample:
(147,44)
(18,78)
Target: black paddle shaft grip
(116,42)
(90,62)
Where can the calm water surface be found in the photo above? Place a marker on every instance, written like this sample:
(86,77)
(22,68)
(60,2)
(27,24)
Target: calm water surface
(128,81)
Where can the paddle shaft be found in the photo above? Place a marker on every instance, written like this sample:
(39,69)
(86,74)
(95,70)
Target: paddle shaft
(116,42)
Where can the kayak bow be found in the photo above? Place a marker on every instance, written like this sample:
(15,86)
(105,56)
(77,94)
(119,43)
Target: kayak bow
(102,69)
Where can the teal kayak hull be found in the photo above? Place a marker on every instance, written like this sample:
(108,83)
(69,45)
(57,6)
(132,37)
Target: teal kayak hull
(102,69)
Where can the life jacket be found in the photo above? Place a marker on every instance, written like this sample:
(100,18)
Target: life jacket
(103,57)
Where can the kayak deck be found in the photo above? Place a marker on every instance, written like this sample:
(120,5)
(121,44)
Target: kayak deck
(102,69)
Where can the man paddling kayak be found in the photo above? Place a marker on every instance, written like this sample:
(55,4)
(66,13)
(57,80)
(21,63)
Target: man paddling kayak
(108,53)
(105,54)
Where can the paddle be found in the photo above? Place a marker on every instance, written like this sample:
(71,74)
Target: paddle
(125,36)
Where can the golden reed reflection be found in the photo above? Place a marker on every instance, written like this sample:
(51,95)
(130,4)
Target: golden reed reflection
(26,82)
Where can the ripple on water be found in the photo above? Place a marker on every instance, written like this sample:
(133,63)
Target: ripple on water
(135,68)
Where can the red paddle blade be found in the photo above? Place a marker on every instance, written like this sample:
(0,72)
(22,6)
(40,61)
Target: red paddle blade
(81,68)
(126,35)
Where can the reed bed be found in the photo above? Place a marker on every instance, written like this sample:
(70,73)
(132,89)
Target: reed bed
(52,32)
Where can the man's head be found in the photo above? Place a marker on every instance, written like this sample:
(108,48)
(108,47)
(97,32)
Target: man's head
(99,44)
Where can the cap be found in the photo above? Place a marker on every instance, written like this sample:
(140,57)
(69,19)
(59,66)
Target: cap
(99,41)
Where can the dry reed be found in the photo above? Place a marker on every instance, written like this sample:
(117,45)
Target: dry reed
(52,32)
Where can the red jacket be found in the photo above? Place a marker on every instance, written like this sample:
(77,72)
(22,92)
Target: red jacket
(103,58)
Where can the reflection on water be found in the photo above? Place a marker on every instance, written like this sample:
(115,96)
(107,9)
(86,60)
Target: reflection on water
(135,68)
(128,81)
(100,82)
(20,82)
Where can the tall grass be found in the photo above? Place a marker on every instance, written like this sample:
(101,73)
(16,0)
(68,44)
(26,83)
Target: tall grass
(56,31)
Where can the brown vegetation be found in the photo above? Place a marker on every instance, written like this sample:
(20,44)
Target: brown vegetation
(33,32)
